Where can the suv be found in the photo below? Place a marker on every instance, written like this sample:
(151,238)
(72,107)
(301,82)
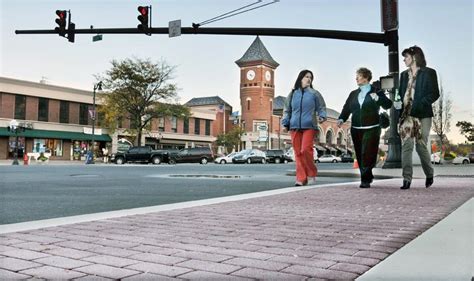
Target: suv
(277,156)
(346,157)
(194,155)
(142,154)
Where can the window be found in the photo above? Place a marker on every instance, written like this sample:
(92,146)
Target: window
(83,111)
(20,107)
(186,126)
(43,109)
(271,105)
(197,126)
(208,127)
(174,124)
(161,124)
(248,104)
(53,146)
(64,112)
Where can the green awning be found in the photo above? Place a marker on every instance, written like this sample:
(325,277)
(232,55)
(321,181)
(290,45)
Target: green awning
(47,134)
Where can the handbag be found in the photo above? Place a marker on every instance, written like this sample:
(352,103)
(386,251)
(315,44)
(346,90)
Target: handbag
(384,120)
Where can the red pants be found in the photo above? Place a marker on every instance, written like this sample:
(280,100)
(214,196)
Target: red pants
(303,146)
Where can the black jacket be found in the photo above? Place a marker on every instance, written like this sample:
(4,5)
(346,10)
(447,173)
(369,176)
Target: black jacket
(426,91)
(368,114)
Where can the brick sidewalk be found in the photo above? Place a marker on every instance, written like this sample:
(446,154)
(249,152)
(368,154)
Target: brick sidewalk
(328,232)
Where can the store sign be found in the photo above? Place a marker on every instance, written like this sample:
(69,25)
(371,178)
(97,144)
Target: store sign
(88,131)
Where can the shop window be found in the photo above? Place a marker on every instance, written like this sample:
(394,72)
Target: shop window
(20,107)
(43,109)
(208,127)
(64,112)
(83,114)
(53,146)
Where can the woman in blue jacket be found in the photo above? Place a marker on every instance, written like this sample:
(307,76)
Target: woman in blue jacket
(304,108)
(364,104)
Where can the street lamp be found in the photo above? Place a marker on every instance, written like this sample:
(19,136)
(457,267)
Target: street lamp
(13,127)
(97,87)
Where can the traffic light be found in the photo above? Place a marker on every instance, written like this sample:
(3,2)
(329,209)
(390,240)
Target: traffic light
(143,18)
(71,32)
(61,22)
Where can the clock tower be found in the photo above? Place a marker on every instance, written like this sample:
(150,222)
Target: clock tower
(257,89)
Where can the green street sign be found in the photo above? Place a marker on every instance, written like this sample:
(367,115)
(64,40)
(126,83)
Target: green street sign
(97,37)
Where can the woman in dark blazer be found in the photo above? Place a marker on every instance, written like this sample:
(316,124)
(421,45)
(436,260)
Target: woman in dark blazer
(418,90)
(364,104)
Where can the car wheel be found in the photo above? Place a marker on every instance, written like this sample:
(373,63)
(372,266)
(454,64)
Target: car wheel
(465,161)
(317,161)
(119,161)
(334,161)
(156,160)
(204,161)
(263,161)
(222,162)
(277,160)
(172,162)
(249,161)
(285,161)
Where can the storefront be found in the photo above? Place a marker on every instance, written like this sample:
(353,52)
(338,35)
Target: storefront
(60,145)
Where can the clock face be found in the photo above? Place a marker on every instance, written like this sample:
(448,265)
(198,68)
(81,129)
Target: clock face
(250,75)
(268,75)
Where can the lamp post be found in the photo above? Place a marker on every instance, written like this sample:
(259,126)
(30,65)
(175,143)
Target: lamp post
(13,127)
(98,87)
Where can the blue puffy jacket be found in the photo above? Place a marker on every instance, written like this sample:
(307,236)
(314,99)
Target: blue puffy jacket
(302,109)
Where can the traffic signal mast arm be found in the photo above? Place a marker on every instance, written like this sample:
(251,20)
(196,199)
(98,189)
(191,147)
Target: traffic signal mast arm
(383,38)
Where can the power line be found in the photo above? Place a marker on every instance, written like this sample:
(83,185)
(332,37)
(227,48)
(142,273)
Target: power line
(233,13)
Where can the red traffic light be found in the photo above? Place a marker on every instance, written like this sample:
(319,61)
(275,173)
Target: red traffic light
(61,14)
(143,10)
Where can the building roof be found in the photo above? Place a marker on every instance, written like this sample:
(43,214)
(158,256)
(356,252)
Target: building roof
(215,100)
(257,52)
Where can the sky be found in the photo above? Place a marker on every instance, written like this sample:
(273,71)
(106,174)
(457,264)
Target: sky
(205,64)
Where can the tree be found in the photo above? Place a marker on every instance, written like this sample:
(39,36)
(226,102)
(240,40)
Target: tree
(442,116)
(467,129)
(138,90)
(231,139)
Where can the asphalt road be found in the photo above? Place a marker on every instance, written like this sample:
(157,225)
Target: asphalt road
(47,191)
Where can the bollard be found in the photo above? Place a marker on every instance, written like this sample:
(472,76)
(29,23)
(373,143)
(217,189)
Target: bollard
(25,159)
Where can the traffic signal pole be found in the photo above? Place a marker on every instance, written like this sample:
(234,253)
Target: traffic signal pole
(388,38)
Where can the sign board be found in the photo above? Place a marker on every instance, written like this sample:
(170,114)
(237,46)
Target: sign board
(174,28)
(97,37)
(262,127)
(389,14)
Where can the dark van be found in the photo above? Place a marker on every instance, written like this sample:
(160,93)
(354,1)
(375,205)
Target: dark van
(201,155)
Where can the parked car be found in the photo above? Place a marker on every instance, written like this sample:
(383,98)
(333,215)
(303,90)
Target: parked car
(225,159)
(346,157)
(436,158)
(291,154)
(329,158)
(277,156)
(471,157)
(250,156)
(461,160)
(194,155)
(143,154)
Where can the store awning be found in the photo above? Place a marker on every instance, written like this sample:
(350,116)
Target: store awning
(341,149)
(318,147)
(47,134)
(331,148)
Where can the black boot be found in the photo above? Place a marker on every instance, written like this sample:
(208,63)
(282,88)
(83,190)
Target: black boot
(406,184)
(364,184)
(428,182)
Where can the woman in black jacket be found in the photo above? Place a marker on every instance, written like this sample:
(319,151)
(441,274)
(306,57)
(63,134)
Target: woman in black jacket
(364,104)
(418,90)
